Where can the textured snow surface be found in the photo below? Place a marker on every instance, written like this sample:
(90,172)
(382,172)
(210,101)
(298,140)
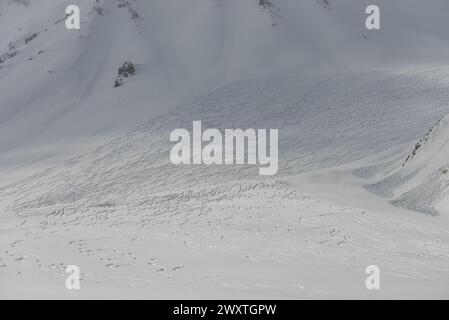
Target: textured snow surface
(86,179)
(324,122)
(421,182)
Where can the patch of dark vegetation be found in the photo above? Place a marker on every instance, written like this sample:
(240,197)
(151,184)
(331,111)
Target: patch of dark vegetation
(125,71)
(31,38)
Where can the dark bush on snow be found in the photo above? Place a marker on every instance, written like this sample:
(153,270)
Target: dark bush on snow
(125,71)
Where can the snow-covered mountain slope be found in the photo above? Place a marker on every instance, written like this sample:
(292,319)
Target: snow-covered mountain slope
(141,227)
(323,122)
(181,50)
(419,180)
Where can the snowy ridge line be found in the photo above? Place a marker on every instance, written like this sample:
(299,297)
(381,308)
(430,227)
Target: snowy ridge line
(18,44)
(421,181)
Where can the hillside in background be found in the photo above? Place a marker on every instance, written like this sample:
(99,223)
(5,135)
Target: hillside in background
(181,50)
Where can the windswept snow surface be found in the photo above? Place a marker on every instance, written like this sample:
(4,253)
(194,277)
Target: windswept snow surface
(142,227)
(85,167)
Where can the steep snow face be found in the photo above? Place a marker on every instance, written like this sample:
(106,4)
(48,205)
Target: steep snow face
(57,86)
(139,226)
(322,123)
(422,181)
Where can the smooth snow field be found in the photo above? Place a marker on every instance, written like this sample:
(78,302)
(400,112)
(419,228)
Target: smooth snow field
(85,171)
